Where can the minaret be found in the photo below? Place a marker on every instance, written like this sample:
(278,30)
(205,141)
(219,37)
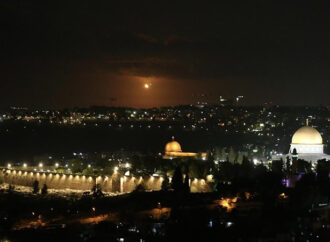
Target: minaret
(307,122)
(294,161)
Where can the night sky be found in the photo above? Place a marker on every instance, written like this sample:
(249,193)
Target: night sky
(83,53)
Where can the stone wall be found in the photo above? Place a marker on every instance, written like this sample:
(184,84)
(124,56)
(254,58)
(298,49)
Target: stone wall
(114,183)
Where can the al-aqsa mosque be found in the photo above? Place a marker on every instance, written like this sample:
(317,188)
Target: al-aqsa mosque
(173,150)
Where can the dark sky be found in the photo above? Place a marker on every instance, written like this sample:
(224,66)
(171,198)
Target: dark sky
(82,53)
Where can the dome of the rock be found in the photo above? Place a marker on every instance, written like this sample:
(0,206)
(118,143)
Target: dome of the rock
(307,136)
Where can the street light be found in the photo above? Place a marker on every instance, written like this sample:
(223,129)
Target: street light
(24,165)
(40,164)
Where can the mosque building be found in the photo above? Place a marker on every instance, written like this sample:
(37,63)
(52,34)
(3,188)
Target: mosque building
(173,150)
(306,144)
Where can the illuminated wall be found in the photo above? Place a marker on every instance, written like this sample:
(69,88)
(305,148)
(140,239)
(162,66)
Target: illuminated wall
(309,149)
(114,183)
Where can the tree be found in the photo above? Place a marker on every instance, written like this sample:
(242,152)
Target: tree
(107,170)
(220,154)
(227,171)
(11,188)
(209,157)
(240,158)
(177,183)
(194,169)
(76,165)
(246,168)
(101,163)
(323,167)
(140,188)
(186,186)
(35,187)
(60,170)
(306,191)
(277,166)
(165,184)
(246,162)
(303,166)
(288,166)
(44,189)
(232,156)
(88,171)
(323,170)
(97,191)
(137,163)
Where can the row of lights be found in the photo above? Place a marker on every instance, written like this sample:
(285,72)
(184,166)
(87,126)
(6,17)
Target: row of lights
(25,165)
(209,177)
(127,165)
(57,175)
(106,177)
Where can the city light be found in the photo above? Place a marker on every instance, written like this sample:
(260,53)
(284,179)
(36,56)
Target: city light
(209,177)
(228,203)
(283,196)
(115,169)
(93,92)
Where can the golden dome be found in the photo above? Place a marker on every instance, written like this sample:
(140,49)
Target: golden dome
(173,146)
(307,136)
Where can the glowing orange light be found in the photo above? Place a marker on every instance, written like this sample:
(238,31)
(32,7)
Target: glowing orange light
(228,203)
(146,86)
(283,196)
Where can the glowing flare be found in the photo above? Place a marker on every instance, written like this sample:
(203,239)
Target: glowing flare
(228,203)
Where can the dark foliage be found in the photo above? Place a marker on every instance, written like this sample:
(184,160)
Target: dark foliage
(35,187)
(177,180)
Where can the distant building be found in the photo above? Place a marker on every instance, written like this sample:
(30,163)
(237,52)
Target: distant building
(173,150)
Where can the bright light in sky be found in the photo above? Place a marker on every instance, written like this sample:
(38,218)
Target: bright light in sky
(146,86)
